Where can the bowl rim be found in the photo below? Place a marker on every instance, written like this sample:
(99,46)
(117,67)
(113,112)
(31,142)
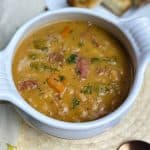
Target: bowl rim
(138,77)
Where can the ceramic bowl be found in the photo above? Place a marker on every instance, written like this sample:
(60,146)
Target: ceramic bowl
(133,34)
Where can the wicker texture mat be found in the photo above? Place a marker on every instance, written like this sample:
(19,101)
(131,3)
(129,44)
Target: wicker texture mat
(135,125)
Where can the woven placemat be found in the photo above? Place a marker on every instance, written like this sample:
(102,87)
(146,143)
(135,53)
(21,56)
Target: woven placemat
(135,125)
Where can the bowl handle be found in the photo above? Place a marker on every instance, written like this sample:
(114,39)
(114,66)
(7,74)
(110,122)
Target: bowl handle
(4,84)
(139,29)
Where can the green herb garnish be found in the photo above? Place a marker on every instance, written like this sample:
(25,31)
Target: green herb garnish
(45,67)
(32,56)
(103,89)
(81,44)
(75,102)
(104,59)
(87,89)
(71,59)
(40,44)
(53,69)
(61,78)
(42,67)
(34,66)
(95,60)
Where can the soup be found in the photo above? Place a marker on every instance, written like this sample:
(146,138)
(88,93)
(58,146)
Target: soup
(73,71)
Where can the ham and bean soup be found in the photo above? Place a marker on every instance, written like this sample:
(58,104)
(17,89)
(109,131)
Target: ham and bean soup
(73,71)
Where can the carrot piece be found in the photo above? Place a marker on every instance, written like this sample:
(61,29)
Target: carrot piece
(53,82)
(65,32)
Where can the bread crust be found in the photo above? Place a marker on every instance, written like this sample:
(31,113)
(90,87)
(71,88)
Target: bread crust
(84,3)
(118,6)
(138,3)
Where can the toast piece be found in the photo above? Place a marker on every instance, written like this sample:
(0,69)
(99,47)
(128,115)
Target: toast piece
(138,3)
(118,6)
(84,3)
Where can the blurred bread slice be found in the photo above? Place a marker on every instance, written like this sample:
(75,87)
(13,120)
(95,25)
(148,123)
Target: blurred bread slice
(84,3)
(139,2)
(118,6)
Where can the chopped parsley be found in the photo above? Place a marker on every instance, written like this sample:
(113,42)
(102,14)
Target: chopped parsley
(71,59)
(87,89)
(107,88)
(104,89)
(42,67)
(32,56)
(34,66)
(61,78)
(104,59)
(95,60)
(75,102)
(80,44)
(40,44)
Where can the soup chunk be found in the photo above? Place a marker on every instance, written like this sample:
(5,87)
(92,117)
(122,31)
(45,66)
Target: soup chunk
(73,71)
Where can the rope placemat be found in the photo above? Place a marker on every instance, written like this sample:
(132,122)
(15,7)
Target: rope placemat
(135,125)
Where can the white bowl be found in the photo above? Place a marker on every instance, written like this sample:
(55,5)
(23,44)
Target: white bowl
(133,34)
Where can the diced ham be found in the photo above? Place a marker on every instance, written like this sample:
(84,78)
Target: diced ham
(56,57)
(82,67)
(27,85)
